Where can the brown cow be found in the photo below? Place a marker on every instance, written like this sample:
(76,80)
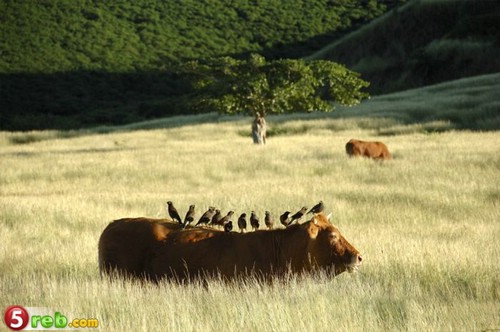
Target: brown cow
(375,150)
(316,245)
(126,245)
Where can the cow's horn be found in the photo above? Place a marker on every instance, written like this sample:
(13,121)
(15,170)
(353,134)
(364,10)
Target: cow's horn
(329,217)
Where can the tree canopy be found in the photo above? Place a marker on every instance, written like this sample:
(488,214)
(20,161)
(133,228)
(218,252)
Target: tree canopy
(232,86)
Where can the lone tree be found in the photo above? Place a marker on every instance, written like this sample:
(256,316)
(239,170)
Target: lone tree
(258,87)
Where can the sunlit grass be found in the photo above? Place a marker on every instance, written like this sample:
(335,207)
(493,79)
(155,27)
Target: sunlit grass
(427,222)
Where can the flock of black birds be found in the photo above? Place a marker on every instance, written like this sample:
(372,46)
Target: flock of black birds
(214,217)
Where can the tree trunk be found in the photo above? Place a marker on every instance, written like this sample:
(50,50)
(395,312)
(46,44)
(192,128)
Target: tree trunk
(259,128)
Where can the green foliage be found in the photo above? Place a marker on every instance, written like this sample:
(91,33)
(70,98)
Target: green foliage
(232,86)
(69,64)
(62,35)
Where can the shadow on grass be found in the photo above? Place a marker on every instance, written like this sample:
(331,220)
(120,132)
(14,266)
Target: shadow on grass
(466,104)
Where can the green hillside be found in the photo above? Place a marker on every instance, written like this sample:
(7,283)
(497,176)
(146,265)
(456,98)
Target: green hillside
(123,36)
(68,64)
(423,42)
(72,64)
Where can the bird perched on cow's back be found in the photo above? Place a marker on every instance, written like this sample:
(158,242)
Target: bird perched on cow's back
(227,218)
(207,216)
(228,226)
(189,216)
(254,221)
(298,215)
(242,222)
(285,218)
(268,220)
(318,208)
(172,212)
(216,217)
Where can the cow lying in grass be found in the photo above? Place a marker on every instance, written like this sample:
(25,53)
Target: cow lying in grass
(375,150)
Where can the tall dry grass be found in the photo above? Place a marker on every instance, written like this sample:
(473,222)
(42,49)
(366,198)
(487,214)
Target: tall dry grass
(426,222)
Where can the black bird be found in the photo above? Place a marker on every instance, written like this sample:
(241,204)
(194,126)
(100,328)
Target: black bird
(207,216)
(298,215)
(225,219)
(269,220)
(284,218)
(318,208)
(189,216)
(242,222)
(228,226)
(254,221)
(216,217)
(172,212)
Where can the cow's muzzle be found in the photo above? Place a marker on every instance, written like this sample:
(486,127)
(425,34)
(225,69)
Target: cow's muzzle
(354,264)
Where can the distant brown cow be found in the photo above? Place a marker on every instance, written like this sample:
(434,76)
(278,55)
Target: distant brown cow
(312,246)
(375,150)
(126,245)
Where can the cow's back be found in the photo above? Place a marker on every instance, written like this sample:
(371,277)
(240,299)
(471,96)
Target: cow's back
(126,245)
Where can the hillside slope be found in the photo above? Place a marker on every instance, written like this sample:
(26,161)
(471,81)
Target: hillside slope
(60,35)
(423,42)
(71,64)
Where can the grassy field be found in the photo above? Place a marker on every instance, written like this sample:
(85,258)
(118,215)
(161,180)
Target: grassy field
(427,222)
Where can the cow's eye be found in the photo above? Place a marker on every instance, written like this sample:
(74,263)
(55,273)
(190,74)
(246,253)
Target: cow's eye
(333,237)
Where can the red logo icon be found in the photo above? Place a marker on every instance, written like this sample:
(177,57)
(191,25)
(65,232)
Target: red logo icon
(16,317)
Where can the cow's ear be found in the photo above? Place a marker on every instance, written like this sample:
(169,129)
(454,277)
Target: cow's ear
(313,228)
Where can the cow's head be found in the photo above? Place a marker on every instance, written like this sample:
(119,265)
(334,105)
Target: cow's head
(329,249)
